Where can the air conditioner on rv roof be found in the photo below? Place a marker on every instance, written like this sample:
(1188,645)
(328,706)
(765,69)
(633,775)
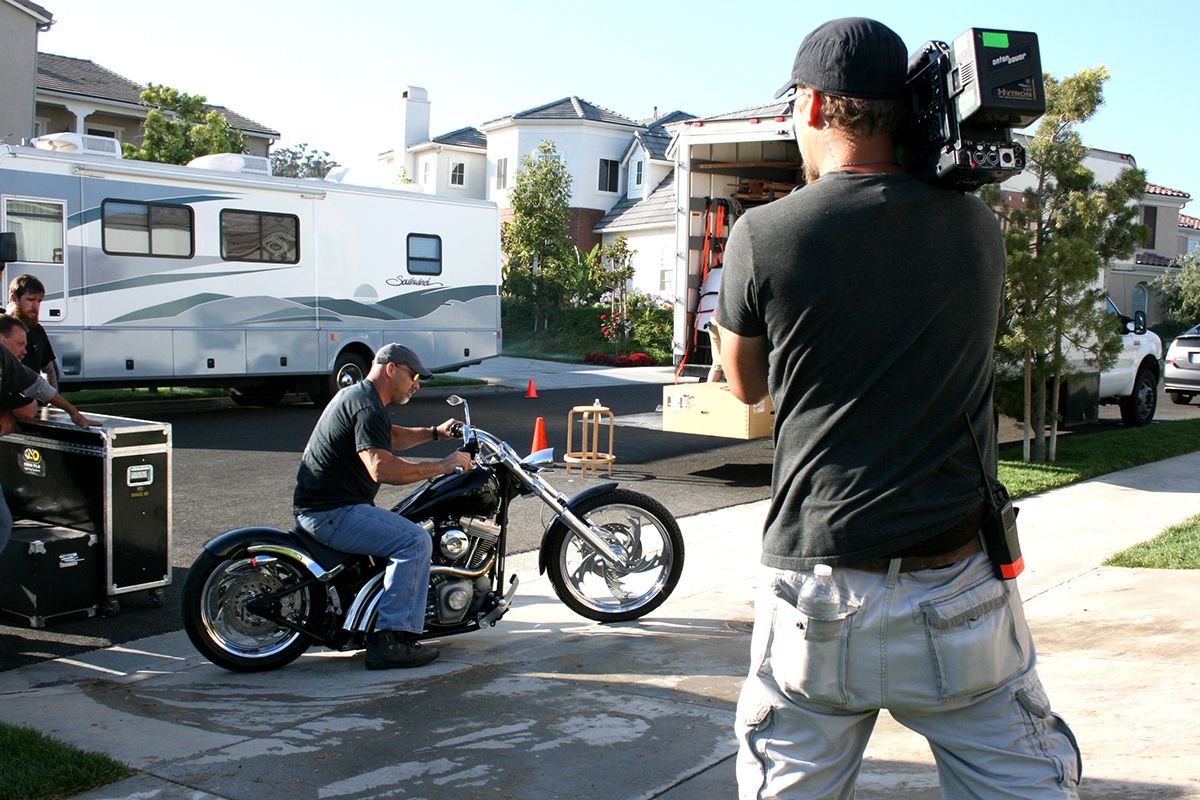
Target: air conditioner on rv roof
(79,143)
(233,162)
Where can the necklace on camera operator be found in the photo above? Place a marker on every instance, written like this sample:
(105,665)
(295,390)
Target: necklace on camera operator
(893,166)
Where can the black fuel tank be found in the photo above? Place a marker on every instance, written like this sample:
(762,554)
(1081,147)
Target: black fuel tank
(475,493)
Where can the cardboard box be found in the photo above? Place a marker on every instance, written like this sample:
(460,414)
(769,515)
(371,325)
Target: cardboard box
(711,409)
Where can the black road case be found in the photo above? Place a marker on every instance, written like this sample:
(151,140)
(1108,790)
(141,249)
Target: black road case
(113,480)
(50,574)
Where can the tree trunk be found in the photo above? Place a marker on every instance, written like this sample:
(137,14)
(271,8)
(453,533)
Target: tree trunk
(1053,455)
(1039,420)
(1026,417)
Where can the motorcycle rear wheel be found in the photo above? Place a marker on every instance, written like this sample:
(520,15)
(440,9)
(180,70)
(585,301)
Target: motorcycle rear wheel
(226,632)
(634,525)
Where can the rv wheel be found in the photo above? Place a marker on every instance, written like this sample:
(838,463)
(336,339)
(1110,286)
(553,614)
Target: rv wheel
(349,369)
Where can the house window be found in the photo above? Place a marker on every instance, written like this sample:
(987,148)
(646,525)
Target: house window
(146,229)
(1193,245)
(610,173)
(666,280)
(502,173)
(426,171)
(1141,299)
(41,126)
(1150,220)
(639,172)
(258,236)
(38,225)
(108,133)
(458,174)
(424,254)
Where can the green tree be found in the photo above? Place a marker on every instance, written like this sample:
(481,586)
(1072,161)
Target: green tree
(1180,291)
(537,240)
(178,128)
(300,162)
(1059,240)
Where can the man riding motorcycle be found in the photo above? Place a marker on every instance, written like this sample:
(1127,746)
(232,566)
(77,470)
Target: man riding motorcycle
(348,456)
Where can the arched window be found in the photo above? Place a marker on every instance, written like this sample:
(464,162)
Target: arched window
(1141,299)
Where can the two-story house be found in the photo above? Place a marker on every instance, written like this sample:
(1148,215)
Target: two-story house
(1131,283)
(78,95)
(20,23)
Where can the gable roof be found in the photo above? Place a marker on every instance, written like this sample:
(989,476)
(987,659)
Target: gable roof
(1151,260)
(87,79)
(569,108)
(1154,188)
(657,208)
(781,108)
(463,137)
(34,10)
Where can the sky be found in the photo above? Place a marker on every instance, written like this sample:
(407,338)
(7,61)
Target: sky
(331,74)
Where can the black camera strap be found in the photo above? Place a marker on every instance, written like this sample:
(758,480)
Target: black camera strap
(999,527)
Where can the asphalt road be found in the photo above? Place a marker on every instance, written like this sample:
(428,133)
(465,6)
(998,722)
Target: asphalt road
(236,466)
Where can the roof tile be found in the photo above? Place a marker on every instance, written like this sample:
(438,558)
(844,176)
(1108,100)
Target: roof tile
(1189,222)
(1154,188)
(656,209)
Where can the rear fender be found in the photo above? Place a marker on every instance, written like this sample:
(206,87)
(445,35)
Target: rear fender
(269,541)
(572,504)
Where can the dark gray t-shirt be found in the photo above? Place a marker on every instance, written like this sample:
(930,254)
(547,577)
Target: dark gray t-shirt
(331,473)
(879,297)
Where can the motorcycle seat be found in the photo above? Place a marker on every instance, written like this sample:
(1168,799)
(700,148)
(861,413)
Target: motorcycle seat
(324,555)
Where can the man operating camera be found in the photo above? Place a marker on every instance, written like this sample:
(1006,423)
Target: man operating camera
(866,304)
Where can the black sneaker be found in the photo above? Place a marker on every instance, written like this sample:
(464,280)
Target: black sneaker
(396,649)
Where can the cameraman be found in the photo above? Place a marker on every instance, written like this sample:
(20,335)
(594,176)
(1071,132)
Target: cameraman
(866,304)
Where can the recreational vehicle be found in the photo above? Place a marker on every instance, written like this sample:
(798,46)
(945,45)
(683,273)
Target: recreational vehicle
(219,274)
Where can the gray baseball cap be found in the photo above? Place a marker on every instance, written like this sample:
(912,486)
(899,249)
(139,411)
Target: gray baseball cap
(396,353)
(853,57)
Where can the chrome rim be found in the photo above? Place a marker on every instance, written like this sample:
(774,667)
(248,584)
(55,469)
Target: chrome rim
(348,375)
(634,533)
(235,629)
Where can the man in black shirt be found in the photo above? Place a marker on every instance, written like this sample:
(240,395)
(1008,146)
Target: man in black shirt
(347,457)
(866,304)
(25,295)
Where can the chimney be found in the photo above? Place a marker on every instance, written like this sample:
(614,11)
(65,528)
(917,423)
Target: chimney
(414,121)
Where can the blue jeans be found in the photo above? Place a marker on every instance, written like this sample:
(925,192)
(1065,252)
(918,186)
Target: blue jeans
(946,651)
(372,531)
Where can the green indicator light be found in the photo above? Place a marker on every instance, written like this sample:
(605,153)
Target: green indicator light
(993,39)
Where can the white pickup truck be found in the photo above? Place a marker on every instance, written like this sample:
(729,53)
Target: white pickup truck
(1132,382)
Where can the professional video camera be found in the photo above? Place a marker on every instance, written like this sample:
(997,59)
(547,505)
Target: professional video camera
(966,98)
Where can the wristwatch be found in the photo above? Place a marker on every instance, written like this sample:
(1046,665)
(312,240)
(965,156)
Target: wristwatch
(433,430)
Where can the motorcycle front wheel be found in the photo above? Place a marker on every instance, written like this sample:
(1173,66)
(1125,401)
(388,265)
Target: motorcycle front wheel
(636,526)
(226,632)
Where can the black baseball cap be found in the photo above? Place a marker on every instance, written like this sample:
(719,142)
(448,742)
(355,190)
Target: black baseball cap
(395,353)
(854,57)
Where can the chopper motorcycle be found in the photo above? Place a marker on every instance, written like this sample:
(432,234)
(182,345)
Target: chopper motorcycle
(256,598)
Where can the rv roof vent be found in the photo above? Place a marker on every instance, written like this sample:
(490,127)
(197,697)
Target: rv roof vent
(233,162)
(79,143)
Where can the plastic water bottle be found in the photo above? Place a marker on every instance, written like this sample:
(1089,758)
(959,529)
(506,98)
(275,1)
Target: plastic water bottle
(819,597)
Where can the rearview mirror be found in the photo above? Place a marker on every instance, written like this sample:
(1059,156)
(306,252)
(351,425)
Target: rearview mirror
(1139,322)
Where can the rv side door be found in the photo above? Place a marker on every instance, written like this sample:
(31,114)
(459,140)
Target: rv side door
(39,226)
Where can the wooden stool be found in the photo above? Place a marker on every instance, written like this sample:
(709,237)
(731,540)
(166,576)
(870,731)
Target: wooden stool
(590,456)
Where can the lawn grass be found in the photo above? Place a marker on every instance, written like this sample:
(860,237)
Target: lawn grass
(1178,547)
(1086,455)
(37,767)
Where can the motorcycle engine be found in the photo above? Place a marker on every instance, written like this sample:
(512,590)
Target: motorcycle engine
(463,552)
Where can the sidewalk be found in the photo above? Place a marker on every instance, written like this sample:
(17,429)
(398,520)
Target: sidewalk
(548,705)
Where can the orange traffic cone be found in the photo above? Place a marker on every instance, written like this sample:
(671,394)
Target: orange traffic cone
(532,390)
(539,436)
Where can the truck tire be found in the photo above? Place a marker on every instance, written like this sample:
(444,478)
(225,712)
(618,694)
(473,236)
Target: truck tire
(1138,408)
(1180,398)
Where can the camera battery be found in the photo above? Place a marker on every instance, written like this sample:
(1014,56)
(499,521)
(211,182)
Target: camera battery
(50,574)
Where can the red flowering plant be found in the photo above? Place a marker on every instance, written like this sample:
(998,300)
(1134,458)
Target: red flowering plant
(615,327)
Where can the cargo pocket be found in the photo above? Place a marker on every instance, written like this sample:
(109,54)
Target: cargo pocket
(973,639)
(1052,734)
(808,656)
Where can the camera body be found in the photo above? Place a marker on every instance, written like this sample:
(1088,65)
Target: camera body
(965,99)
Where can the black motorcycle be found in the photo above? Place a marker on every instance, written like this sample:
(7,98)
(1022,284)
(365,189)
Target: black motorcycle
(256,598)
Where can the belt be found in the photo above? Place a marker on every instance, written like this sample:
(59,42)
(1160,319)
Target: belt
(915,563)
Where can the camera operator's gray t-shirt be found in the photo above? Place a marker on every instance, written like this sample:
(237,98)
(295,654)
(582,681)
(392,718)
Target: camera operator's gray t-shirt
(879,297)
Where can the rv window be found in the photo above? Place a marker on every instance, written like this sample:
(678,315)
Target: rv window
(147,229)
(38,225)
(257,236)
(424,254)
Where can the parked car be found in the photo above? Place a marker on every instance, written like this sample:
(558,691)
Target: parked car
(1182,372)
